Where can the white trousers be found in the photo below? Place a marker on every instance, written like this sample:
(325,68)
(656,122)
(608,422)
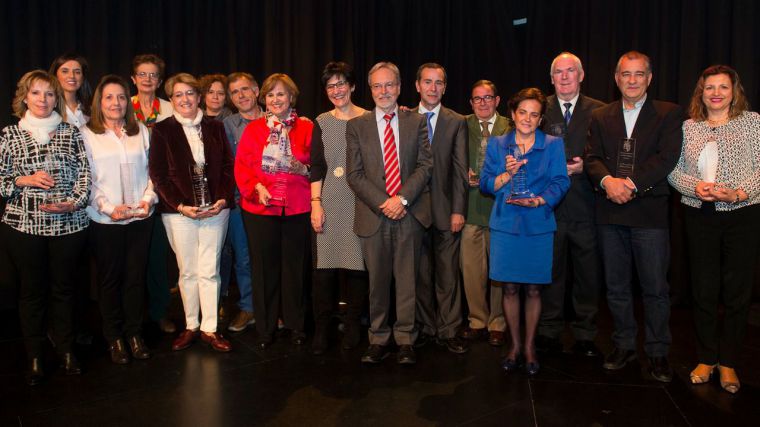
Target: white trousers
(198,245)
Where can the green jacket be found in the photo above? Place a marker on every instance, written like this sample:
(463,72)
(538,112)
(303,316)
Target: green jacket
(479,204)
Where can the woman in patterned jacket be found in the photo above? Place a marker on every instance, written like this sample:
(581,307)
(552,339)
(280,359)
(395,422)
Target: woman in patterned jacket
(718,176)
(45,176)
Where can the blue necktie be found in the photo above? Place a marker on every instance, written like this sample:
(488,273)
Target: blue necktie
(567,112)
(429,116)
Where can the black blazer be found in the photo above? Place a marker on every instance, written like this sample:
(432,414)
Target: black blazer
(658,137)
(171,158)
(449,186)
(578,204)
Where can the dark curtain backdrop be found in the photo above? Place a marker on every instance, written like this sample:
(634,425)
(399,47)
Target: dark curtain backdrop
(473,39)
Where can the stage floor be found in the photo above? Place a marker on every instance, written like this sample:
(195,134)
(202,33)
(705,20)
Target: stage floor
(287,386)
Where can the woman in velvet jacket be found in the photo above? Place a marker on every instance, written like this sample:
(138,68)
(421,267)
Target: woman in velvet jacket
(196,234)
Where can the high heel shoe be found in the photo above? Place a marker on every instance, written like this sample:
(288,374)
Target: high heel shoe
(511,365)
(702,373)
(728,379)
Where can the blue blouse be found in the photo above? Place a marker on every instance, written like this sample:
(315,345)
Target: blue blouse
(547,177)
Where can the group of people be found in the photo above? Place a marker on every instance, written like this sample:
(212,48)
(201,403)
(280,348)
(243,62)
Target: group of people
(405,206)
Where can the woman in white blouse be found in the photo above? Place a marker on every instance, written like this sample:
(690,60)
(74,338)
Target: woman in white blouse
(71,71)
(718,176)
(121,201)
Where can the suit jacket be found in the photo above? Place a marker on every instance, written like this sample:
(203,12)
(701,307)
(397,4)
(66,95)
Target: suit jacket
(366,170)
(658,137)
(479,203)
(171,159)
(448,183)
(578,205)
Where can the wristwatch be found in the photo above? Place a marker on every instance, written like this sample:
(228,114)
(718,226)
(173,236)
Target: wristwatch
(403,200)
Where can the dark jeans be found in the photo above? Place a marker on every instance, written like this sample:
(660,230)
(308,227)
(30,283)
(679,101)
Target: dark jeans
(648,250)
(723,248)
(46,269)
(121,254)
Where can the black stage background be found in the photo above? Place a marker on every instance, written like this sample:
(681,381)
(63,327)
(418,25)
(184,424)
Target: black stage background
(472,39)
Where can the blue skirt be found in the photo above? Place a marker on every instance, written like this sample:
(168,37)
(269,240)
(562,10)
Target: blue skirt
(521,259)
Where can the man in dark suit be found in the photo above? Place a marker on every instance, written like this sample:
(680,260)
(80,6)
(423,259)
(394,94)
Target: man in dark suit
(389,164)
(486,314)
(439,301)
(635,143)
(568,115)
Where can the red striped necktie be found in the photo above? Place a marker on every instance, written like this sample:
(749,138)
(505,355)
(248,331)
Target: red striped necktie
(390,157)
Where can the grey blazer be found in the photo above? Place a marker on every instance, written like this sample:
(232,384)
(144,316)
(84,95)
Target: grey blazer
(366,170)
(449,185)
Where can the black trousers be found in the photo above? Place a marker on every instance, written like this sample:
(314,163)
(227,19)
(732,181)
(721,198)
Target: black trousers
(46,272)
(723,249)
(121,257)
(277,247)
(574,242)
(323,294)
(439,299)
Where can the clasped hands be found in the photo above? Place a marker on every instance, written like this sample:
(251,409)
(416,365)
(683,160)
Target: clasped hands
(619,190)
(393,208)
(194,212)
(715,192)
(124,212)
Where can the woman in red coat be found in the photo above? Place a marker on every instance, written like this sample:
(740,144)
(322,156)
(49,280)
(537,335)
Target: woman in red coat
(272,172)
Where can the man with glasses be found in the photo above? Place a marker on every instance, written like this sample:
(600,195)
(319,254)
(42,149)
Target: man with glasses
(568,115)
(389,165)
(635,143)
(439,301)
(243,90)
(486,318)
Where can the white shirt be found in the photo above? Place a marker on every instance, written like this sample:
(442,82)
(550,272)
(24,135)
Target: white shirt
(76,118)
(433,120)
(107,153)
(573,102)
(630,116)
(491,122)
(380,118)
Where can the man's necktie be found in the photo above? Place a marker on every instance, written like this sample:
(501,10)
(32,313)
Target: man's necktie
(567,112)
(390,157)
(429,116)
(483,143)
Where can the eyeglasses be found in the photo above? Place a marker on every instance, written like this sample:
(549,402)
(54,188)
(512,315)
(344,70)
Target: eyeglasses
(481,99)
(143,75)
(188,93)
(379,86)
(337,85)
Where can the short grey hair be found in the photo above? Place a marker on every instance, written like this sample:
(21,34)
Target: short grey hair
(633,55)
(572,56)
(388,65)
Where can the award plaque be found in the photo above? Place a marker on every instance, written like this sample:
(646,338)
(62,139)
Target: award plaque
(557,129)
(201,194)
(55,195)
(626,157)
(519,181)
(130,194)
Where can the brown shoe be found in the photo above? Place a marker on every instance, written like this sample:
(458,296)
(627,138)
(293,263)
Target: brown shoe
(118,351)
(496,338)
(216,341)
(469,333)
(167,326)
(184,340)
(241,321)
(138,347)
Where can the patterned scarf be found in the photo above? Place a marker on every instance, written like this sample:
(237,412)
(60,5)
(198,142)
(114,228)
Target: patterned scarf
(40,128)
(151,120)
(277,155)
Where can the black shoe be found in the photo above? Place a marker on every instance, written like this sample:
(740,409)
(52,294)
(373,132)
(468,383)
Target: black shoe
(297,337)
(118,351)
(70,364)
(618,359)
(532,368)
(548,345)
(586,348)
(319,342)
(659,369)
(457,345)
(406,355)
(36,374)
(139,349)
(264,342)
(510,365)
(423,339)
(375,354)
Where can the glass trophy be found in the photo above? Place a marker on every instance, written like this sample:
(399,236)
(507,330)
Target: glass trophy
(626,157)
(55,195)
(130,193)
(519,181)
(557,129)
(279,188)
(201,193)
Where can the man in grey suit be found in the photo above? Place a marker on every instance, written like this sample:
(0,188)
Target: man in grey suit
(439,301)
(389,164)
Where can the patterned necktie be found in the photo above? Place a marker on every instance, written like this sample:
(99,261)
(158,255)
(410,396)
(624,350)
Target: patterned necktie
(483,143)
(390,157)
(567,112)
(429,116)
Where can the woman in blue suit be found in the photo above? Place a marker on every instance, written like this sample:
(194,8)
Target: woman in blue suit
(526,172)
